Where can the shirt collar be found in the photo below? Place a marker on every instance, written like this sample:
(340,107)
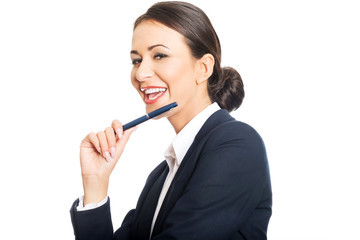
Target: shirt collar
(183,140)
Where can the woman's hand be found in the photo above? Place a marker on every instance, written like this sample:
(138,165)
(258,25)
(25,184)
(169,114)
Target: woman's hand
(99,154)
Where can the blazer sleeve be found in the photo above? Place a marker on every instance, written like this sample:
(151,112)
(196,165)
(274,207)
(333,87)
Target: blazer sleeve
(229,194)
(96,224)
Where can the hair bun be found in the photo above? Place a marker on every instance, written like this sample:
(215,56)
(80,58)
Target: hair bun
(231,93)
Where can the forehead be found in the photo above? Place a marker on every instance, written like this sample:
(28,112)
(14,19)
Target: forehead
(149,32)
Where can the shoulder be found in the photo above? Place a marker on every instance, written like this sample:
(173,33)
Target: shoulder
(235,146)
(236,132)
(222,127)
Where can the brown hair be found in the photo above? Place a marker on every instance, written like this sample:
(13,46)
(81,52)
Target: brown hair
(225,85)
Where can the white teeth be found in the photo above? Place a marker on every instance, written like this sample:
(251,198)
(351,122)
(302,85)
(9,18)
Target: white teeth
(152,90)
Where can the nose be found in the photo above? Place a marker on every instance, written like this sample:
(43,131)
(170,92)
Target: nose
(145,71)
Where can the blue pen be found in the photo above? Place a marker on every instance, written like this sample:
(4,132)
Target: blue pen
(150,115)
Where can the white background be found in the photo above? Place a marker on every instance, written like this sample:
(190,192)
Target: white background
(64,71)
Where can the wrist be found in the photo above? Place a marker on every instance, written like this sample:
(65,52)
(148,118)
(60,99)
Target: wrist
(95,189)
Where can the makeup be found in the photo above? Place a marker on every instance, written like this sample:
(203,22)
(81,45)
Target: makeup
(150,115)
(153,93)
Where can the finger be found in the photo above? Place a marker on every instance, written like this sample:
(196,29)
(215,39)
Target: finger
(104,145)
(91,141)
(118,128)
(120,145)
(110,136)
(94,141)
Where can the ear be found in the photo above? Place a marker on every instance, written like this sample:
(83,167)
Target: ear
(205,68)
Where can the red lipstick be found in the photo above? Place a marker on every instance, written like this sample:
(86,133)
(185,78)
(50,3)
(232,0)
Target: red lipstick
(153,93)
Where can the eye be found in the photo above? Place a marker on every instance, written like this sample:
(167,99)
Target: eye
(160,56)
(136,61)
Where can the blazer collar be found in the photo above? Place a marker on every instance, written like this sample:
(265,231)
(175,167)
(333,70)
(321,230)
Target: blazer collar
(214,120)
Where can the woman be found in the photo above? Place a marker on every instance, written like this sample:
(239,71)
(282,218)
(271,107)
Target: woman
(214,183)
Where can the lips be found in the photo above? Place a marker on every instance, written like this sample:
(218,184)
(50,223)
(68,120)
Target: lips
(153,94)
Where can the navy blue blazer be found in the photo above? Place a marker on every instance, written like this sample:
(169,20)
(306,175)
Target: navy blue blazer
(221,191)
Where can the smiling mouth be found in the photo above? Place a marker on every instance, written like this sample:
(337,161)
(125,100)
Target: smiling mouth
(152,94)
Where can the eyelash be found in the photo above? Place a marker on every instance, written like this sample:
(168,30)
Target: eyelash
(157,56)
(136,61)
(160,56)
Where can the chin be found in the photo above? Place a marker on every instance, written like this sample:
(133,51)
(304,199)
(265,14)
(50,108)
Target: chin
(158,104)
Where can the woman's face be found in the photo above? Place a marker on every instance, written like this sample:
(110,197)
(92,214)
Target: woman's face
(164,70)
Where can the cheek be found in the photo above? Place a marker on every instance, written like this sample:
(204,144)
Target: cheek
(178,73)
(182,80)
(134,82)
(175,68)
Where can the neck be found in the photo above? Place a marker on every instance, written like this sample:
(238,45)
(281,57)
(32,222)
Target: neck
(187,113)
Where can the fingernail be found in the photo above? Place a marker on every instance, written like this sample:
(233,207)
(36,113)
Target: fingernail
(113,152)
(107,156)
(119,132)
(99,149)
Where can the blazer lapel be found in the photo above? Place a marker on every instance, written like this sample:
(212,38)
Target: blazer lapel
(187,166)
(147,203)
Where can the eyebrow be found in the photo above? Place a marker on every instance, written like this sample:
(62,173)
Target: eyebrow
(149,48)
